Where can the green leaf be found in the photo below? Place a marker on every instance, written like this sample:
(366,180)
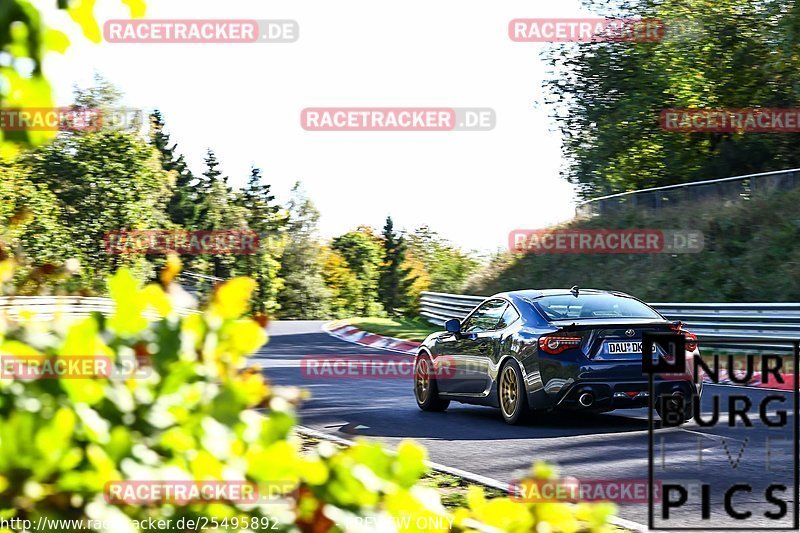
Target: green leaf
(128,319)
(137,7)
(83,13)
(56,41)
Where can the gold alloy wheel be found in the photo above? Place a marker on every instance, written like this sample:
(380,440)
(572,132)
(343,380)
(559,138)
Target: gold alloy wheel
(423,385)
(509,392)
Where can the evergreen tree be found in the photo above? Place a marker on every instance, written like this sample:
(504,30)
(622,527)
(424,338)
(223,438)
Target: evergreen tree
(257,199)
(212,174)
(265,219)
(394,282)
(218,211)
(102,94)
(214,197)
(304,294)
(182,206)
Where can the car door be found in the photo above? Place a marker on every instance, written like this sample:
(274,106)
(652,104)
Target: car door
(472,350)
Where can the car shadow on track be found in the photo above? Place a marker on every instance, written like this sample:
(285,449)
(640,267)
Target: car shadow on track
(480,423)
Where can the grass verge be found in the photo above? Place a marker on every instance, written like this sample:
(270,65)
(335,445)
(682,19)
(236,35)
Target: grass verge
(412,329)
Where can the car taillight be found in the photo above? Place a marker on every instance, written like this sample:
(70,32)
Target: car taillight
(691,338)
(556,345)
(691,341)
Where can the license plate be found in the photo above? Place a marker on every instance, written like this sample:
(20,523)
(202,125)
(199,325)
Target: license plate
(624,347)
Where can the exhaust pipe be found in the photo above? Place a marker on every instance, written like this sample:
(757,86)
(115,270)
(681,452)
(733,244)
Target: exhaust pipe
(586,399)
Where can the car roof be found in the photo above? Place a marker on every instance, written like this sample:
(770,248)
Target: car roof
(532,294)
(523,299)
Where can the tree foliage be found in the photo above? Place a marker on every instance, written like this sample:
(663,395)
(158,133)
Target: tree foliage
(394,281)
(26,40)
(447,267)
(266,218)
(96,182)
(345,297)
(304,294)
(101,182)
(362,250)
(607,97)
(182,207)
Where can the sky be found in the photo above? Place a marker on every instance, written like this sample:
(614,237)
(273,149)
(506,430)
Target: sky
(245,100)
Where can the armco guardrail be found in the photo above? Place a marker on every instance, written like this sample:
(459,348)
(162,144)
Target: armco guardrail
(46,308)
(749,322)
(197,284)
(736,188)
(437,307)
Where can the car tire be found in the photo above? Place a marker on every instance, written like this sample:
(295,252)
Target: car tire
(426,388)
(511,393)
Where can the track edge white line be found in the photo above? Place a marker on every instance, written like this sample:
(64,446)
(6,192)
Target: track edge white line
(470,476)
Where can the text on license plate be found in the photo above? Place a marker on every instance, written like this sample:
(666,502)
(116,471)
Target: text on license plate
(624,347)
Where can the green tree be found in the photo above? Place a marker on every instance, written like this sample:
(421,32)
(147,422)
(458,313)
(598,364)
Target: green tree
(33,231)
(448,267)
(212,175)
(257,198)
(394,282)
(218,211)
(100,94)
(363,251)
(182,207)
(304,294)
(104,98)
(102,182)
(265,218)
(344,286)
(607,97)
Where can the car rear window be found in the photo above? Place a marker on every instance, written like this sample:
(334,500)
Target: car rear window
(590,306)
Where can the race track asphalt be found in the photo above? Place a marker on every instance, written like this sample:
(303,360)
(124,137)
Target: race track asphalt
(612,446)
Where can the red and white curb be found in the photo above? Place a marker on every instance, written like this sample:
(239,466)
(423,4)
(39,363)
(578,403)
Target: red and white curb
(342,330)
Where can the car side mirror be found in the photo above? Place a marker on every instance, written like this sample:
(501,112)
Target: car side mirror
(453,326)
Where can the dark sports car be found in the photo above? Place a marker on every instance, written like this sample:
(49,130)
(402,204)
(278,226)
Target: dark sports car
(531,350)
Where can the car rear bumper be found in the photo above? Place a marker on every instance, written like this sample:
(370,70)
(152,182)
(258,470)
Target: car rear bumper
(607,395)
